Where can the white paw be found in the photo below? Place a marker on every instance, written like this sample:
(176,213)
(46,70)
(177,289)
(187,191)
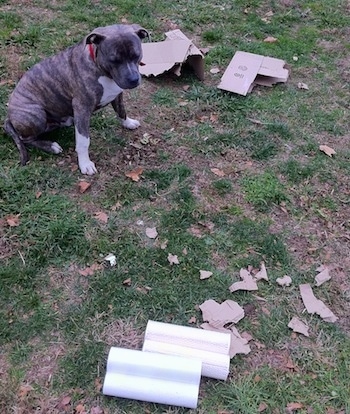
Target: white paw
(87,168)
(130,123)
(56,148)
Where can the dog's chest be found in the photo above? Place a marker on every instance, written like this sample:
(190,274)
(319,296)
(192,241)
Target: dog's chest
(110,90)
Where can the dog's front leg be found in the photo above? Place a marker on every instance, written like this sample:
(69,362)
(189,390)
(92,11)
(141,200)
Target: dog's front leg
(119,108)
(82,142)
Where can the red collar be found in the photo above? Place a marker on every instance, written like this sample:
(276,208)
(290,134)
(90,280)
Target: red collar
(92,52)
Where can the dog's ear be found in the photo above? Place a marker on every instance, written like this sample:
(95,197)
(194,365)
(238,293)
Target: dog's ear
(140,31)
(94,38)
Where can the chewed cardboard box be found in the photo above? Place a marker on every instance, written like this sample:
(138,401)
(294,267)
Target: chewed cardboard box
(170,55)
(248,69)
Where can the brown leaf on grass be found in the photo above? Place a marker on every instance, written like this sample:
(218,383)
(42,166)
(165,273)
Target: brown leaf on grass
(127,282)
(327,150)
(98,384)
(24,390)
(89,271)
(217,172)
(284,281)
(262,274)
(96,410)
(143,289)
(83,186)
(101,216)
(270,39)
(262,407)
(294,407)
(80,409)
(135,174)
(193,319)
(13,221)
(65,401)
(214,118)
(38,194)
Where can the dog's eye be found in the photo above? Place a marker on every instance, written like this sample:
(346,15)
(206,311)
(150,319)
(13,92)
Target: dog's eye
(115,60)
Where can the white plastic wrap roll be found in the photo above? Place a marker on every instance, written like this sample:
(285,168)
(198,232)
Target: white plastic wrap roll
(152,377)
(212,348)
(214,365)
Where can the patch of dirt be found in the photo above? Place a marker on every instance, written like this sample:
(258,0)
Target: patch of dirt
(273,358)
(44,361)
(122,333)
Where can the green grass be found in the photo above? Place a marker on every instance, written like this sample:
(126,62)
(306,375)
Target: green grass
(281,201)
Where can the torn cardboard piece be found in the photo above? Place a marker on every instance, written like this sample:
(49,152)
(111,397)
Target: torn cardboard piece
(298,326)
(238,345)
(323,276)
(314,305)
(247,283)
(170,55)
(219,315)
(248,69)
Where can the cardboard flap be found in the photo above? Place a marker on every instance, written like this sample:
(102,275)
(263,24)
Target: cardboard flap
(241,72)
(170,54)
(248,69)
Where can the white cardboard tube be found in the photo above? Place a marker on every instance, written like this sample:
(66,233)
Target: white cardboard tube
(147,376)
(212,348)
(214,365)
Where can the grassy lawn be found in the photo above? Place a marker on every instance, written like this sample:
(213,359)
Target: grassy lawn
(279,200)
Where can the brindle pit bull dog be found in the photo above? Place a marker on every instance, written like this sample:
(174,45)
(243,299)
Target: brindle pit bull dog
(67,88)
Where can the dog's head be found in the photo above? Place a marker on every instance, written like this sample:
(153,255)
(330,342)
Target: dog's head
(117,52)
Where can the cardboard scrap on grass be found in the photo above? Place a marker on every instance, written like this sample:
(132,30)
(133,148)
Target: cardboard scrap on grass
(314,305)
(249,280)
(243,72)
(170,55)
(248,69)
(218,316)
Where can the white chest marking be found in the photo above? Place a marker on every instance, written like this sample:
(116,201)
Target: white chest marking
(110,90)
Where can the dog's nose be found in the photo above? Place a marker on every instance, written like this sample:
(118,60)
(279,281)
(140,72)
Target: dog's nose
(134,80)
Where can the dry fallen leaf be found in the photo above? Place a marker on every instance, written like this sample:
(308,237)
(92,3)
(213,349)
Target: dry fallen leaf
(327,150)
(101,216)
(89,271)
(24,390)
(298,326)
(135,174)
(13,221)
(96,410)
(38,194)
(217,172)
(270,39)
(193,319)
(80,409)
(65,401)
(173,259)
(293,407)
(151,232)
(127,282)
(262,407)
(83,186)
(204,274)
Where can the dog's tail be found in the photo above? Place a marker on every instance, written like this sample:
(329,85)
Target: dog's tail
(10,130)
